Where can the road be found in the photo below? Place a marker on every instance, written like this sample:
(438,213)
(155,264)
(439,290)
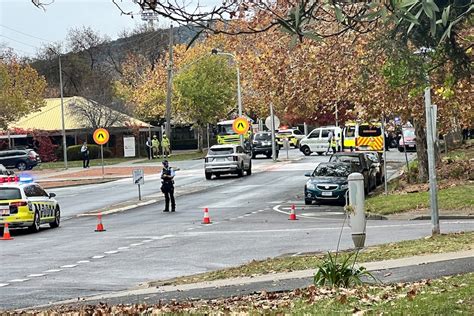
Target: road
(249,222)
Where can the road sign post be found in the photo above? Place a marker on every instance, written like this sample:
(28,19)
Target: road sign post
(241,126)
(101,136)
(139,179)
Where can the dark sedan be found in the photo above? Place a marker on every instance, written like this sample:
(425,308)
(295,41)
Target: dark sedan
(262,144)
(328,182)
(359,159)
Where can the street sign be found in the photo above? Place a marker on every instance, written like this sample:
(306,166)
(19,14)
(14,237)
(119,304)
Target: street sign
(240,125)
(101,136)
(138,177)
(268,122)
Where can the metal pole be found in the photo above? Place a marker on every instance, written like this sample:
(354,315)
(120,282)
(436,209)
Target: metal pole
(102,159)
(273,133)
(384,158)
(139,193)
(337,120)
(239,99)
(62,113)
(169,90)
(305,127)
(435,230)
(208,144)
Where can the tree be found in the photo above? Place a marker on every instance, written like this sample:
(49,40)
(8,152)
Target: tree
(21,90)
(206,91)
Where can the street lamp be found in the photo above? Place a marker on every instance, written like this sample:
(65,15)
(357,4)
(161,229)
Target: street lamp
(215,51)
(62,108)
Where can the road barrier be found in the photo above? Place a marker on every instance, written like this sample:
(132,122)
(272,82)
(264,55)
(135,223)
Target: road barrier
(292,214)
(206,219)
(6,233)
(100,227)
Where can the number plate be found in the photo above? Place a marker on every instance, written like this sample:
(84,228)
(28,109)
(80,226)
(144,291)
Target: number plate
(326,193)
(4,211)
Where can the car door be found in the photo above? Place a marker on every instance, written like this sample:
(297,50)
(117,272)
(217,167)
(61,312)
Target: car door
(243,157)
(323,140)
(312,139)
(41,202)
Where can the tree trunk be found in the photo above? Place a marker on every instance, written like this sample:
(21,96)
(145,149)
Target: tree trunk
(200,139)
(421,150)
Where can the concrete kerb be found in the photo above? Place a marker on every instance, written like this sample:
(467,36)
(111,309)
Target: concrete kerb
(150,289)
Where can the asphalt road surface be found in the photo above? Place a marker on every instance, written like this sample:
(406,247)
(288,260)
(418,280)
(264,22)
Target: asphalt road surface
(249,221)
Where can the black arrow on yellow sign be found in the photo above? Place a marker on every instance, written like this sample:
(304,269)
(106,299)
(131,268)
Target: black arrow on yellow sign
(241,125)
(101,136)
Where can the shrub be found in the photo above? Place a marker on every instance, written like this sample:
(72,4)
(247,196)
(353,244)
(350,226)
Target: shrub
(74,152)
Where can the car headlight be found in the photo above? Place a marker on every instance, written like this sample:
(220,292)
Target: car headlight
(344,186)
(310,186)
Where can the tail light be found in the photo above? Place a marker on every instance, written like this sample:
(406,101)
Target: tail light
(19,203)
(31,155)
(236,158)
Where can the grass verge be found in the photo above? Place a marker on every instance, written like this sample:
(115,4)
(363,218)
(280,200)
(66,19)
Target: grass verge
(453,198)
(78,163)
(429,245)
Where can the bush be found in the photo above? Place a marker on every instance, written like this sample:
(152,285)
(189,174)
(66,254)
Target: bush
(74,152)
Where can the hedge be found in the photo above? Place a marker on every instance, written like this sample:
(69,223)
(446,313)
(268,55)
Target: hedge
(74,152)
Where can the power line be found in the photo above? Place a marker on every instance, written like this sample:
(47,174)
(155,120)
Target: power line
(26,34)
(12,39)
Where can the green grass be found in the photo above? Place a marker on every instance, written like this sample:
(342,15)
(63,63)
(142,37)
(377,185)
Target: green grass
(438,244)
(179,157)
(78,163)
(458,197)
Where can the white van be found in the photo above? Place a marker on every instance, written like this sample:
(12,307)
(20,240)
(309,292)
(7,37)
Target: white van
(317,140)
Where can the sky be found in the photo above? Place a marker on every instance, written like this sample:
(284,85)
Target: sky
(24,27)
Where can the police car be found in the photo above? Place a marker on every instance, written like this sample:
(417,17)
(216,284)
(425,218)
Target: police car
(24,203)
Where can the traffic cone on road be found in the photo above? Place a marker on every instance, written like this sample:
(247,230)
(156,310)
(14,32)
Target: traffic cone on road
(206,219)
(6,233)
(292,214)
(100,227)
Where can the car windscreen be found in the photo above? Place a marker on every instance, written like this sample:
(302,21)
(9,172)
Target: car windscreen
(350,131)
(408,133)
(220,151)
(369,131)
(332,170)
(10,194)
(284,132)
(347,159)
(263,137)
(225,129)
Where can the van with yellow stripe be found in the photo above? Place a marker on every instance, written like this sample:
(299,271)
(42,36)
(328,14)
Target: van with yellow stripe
(369,137)
(26,204)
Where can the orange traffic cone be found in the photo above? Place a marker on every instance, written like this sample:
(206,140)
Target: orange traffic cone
(100,227)
(6,233)
(206,219)
(292,214)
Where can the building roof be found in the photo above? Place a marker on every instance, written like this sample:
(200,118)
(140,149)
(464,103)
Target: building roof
(48,118)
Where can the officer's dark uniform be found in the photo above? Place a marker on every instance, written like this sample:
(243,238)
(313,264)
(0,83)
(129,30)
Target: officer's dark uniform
(167,186)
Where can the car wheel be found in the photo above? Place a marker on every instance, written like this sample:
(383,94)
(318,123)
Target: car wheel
(306,151)
(208,175)
(240,171)
(254,155)
(320,153)
(308,202)
(57,218)
(36,223)
(249,171)
(21,166)
(269,156)
(401,149)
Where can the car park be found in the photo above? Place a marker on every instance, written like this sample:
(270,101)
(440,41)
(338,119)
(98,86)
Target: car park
(22,159)
(294,137)
(24,203)
(318,140)
(328,182)
(227,159)
(408,141)
(359,160)
(262,145)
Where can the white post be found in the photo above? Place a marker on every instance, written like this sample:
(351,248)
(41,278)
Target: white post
(357,202)
(62,113)
(305,127)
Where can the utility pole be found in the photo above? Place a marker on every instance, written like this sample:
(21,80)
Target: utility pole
(337,119)
(62,113)
(169,91)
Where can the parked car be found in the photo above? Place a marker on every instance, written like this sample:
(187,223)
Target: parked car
(317,140)
(408,141)
(22,159)
(262,144)
(227,159)
(294,137)
(359,160)
(375,163)
(328,182)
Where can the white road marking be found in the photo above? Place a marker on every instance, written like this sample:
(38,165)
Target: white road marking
(53,270)
(18,280)
(4,284)
(277,209)
(69,266)
(111,252)
(98,257)
(147,240)
(83,261)
(123,248)
(137,244)
(240,217)
(247,215)
(35,275)
(215,223)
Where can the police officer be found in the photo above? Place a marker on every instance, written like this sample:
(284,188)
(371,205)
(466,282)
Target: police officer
(167,186)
